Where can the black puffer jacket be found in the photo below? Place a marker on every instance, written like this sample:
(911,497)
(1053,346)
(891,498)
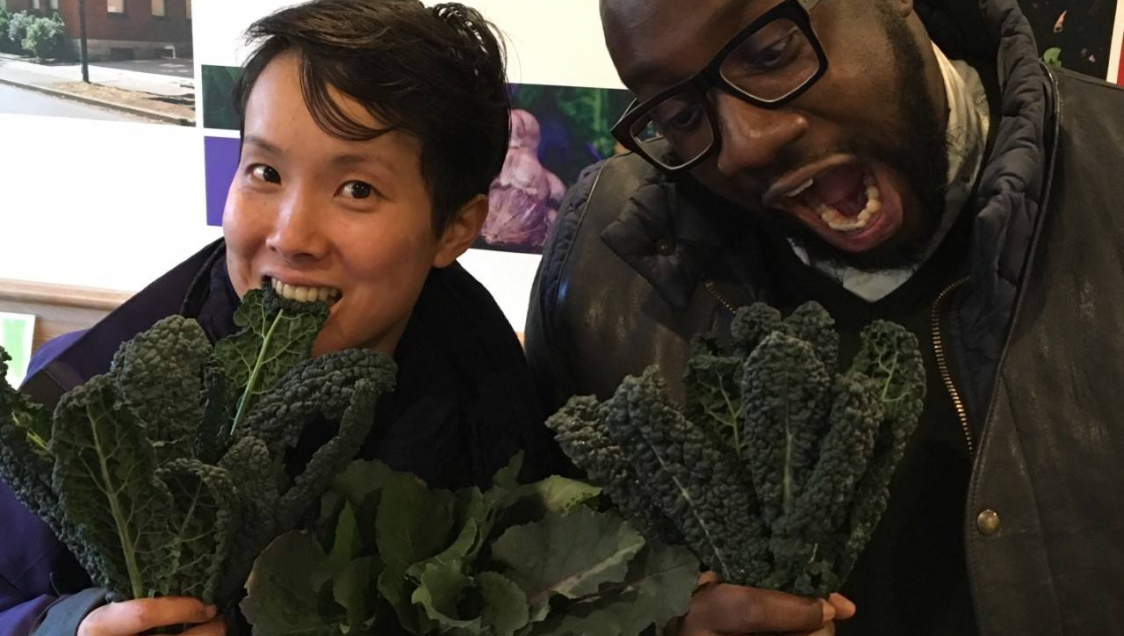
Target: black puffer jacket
(636,265)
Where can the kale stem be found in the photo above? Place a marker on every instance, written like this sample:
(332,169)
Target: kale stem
(244,403)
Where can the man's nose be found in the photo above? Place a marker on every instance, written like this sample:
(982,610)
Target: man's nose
(753,137)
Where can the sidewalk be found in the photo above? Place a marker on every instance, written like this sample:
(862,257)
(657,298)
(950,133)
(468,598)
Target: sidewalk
(165,97)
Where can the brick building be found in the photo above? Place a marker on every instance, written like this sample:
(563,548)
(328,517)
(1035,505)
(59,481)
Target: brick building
(121,29)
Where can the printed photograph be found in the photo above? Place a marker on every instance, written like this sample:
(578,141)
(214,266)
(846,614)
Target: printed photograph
(556,132)
(1073,34)
(120,60)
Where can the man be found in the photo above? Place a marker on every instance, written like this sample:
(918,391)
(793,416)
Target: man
(890,159)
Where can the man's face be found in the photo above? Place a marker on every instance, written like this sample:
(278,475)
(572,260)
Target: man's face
(855,168)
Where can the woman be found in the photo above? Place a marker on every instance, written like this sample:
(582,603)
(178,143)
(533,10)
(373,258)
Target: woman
(371,132)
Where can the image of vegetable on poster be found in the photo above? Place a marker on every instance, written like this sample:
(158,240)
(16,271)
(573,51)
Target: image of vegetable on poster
(16,332)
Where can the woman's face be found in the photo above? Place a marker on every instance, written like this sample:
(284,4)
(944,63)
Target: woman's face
(320,217)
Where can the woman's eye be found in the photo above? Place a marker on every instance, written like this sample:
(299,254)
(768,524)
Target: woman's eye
(266,173)
(358,190)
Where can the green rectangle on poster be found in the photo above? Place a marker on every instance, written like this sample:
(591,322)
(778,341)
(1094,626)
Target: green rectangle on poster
(16,332)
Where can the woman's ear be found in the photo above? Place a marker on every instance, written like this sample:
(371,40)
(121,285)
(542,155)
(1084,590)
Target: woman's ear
(462,231)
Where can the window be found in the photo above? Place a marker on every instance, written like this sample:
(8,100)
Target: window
(188,9)
(158,8)
(55,4)
(116,6)
(36,4)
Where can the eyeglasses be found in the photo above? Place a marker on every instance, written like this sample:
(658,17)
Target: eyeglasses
(767,64)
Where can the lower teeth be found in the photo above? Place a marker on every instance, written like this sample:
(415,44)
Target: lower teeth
(840,223)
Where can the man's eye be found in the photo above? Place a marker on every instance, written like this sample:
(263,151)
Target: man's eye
(775,54)
(358,190)
(266,173)
(687,118)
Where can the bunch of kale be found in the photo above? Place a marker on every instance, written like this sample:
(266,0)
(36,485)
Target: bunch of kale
(166,475)
(776,469)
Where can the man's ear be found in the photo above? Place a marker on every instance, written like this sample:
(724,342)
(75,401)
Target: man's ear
(903,7)
(462,231)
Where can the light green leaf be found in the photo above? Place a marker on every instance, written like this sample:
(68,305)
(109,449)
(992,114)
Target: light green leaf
(346,546)
(355,590)
(544,557)
(658,588)
(413,523)
(560,494)
(361,483)
(440,589)
(282,599)
(505,605)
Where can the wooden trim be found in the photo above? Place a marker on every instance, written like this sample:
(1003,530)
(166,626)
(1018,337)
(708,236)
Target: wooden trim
(58,309)
(18,291)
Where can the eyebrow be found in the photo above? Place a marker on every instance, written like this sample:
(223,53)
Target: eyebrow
(346,160)
(254,140)
(351,160)
(652,72)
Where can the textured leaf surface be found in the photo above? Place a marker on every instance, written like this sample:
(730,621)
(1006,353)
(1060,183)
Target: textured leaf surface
(203,520)
(159,375)
(106,478)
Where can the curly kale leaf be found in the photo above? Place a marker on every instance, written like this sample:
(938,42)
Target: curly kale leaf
(697,482)
(786,394)
(25,461)
(105,475)
(713,391)
(203,521)
(158,376)
(579,430)
(751,325)
(811,323)
(804,541)
(325,386)
(891,357)
(275,335)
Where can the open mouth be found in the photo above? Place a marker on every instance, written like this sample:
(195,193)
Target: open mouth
(852,205)
(305,294)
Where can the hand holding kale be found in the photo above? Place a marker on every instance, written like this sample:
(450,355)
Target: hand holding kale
(776,469)
(165,476)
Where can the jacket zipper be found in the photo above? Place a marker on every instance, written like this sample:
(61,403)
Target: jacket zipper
(942,364)
(938,351)
(712,289)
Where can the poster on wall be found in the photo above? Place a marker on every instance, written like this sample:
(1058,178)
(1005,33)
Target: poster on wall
(139,54)
(1074,34)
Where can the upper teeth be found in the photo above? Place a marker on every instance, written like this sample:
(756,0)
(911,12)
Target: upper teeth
(801,188)
(304,294)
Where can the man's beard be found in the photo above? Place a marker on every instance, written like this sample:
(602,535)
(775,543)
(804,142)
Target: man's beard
(921,156)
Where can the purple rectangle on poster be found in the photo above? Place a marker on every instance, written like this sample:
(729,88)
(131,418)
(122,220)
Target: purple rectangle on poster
(221,157)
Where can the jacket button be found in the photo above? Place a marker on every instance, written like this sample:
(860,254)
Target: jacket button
(666,247)
(988,522)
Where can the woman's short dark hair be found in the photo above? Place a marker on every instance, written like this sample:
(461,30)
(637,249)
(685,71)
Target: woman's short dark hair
(434,73)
